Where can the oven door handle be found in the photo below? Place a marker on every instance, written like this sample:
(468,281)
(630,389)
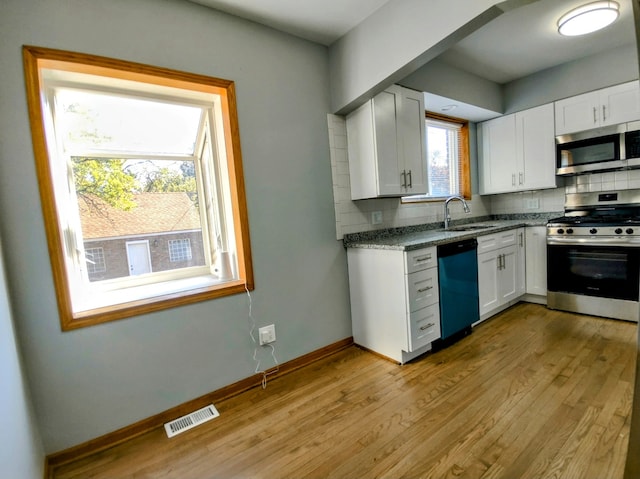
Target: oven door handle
(625,241)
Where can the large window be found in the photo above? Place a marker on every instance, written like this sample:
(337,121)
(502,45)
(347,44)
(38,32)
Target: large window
(447,158)
(141,183)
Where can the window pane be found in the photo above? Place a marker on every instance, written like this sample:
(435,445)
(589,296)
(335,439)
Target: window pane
(145,203)
(94,121)
(442,160)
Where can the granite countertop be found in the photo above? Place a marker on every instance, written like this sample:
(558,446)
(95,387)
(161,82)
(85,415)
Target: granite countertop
(412,238)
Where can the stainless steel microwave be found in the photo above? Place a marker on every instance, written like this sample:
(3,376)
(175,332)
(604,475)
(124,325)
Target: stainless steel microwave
(603,149)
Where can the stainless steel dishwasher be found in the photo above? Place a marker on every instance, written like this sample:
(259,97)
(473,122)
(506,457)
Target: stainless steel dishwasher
(458,282)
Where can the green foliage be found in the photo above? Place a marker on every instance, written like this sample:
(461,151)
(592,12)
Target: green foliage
(165,180)
(105,179)
(116,182)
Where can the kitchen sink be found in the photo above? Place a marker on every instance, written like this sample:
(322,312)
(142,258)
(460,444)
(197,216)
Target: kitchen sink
(469,227)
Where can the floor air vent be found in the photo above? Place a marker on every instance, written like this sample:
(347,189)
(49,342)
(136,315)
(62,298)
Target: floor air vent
(191,420)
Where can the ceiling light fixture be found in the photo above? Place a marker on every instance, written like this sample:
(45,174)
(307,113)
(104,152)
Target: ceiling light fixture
(588,18)
(448,107)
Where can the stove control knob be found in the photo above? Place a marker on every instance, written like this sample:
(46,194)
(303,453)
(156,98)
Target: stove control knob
(618,231)
(593,231)
(569,231)
(629,231)
(560,231)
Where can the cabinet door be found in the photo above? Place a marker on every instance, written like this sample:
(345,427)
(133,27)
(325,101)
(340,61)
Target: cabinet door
(535,139)
(521,280)
(424,327)
(497,164)
(385,105)
(422,289)
(536,262)
(488,295)
(507,274)
(577,113)
(620,103)
(412,141)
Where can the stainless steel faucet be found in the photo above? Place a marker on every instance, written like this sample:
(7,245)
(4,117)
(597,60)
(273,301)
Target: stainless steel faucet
(447,215)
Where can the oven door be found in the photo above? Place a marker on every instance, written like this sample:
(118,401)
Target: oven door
(594,270)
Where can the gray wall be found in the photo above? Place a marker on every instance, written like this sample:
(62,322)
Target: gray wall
(21,453)
(442,79)
(586,74)
(89,382)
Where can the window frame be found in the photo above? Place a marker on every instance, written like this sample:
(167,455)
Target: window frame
(465,161)
(36,58)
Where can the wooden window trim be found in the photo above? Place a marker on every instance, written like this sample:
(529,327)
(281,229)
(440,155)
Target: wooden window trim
(35,58)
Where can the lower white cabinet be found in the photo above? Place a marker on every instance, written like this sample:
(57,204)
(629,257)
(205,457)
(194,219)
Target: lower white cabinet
(394,300)
(537,260)
(501,270)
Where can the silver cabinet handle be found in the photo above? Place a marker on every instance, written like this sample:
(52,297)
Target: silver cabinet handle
(521,240)
(604,112)
(427,326)
(513,179)
(423,258)
(595,113)
(404,179)
(521,178)
(422,290)
(410,180)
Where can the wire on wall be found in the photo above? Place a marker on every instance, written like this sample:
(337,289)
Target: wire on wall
(256,345)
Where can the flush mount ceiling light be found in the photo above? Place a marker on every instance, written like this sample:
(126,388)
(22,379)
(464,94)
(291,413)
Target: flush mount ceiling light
(588,18)
(448,107)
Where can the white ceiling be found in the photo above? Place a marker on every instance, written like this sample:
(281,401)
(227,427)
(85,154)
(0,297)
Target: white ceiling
(519,42)
(525,40)
(321,21)
(516,44)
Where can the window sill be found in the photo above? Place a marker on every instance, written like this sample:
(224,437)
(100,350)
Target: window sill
(426,199)
(149,298)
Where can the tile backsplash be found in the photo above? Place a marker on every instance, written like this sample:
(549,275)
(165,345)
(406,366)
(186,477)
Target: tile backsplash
(612,180)
(356,216)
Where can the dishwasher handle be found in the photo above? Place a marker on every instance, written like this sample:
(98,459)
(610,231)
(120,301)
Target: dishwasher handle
(457,247)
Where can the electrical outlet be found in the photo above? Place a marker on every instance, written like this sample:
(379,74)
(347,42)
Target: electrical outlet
(376,217)
(532,203)
(267,334)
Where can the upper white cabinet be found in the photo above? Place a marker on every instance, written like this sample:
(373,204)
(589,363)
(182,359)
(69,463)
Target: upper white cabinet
(387,145)
(518,152)
(609,106)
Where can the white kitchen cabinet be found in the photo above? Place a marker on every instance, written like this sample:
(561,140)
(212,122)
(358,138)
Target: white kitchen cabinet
(518,152)
(608,106)
(386,140)
(394,300)
(536,260)
(501,270)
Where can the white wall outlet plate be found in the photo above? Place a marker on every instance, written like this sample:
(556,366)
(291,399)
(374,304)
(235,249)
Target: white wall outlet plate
(267,334)
(532,203)
(376,217)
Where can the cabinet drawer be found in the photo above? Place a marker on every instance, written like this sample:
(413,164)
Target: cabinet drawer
(497,240)
(420,259)
(422,288)
(424,326)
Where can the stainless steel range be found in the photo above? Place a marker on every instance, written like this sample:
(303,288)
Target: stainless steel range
(593,255)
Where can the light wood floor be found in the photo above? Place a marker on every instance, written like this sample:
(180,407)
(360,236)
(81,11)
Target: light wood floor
(531,393)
